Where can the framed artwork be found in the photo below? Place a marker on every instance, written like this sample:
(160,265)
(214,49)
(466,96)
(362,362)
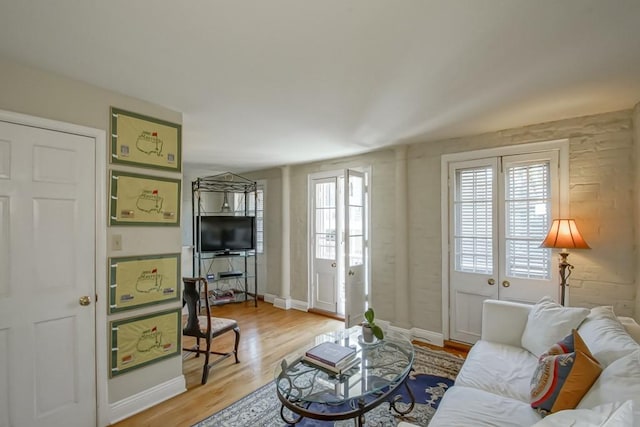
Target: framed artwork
(142,340)
(143,141)
(143,280)
(144,200)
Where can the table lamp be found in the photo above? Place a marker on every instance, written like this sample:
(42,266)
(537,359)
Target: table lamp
(563,234)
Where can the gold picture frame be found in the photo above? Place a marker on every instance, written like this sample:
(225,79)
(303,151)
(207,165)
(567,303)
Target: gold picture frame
(140,281)
(144,200)
(143,340)
(138,140)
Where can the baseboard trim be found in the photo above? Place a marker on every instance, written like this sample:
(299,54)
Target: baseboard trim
(283,303)
(457,345)
(145,399)
(429,337)
(299,305)
(421,335)
(325,313)
(417,334)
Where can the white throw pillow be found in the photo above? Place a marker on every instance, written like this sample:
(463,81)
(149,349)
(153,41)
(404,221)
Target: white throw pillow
(548,323)
(618,414)
(619,381)
(605,336)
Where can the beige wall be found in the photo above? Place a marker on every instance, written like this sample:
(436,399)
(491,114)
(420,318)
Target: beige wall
(601,200)
(42,94)
(272,256)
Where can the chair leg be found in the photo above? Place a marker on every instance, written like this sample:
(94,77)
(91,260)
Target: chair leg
(205,368)
(235,349)
(198,346)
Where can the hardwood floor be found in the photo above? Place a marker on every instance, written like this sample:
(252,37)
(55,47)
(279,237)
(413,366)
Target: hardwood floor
(267,334)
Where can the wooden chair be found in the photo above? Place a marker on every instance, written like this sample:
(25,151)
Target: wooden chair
(205,327)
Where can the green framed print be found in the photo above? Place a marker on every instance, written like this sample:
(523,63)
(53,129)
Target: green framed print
(144,200)
(143,280)
(143,340)
(138,140)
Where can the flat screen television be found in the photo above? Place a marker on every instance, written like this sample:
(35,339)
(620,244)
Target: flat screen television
(226,233)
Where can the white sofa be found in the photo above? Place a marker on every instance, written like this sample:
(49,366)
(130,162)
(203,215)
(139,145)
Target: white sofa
(493,386)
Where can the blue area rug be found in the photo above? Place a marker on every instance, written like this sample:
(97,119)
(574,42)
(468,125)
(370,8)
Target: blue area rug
(434,372)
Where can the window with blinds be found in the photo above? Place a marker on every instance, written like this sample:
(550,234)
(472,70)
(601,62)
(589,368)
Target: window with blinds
(473,232)
(526,208)
(527,216)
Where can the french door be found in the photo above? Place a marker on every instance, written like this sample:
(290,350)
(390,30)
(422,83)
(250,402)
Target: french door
(327,292)
(356,255)
(339,243)
(499,212)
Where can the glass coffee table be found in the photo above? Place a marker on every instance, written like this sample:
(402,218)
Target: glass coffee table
(312,392)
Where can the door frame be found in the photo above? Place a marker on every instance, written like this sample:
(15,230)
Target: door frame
(100,239)
(561,145)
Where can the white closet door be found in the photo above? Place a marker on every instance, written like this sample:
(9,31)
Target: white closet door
(47,263)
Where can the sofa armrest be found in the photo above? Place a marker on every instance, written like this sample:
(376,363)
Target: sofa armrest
(631,327)
(503,322)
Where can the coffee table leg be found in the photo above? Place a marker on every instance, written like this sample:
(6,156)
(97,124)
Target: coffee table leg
(284,418)
(398,398)
(360,420)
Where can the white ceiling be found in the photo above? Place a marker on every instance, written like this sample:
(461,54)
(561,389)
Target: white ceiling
(270,82)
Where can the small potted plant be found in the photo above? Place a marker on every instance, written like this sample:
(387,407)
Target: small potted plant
(369,327)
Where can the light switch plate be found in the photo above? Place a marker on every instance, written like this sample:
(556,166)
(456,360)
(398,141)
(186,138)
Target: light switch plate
(116,242)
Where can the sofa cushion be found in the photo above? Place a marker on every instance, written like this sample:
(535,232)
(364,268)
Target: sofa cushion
(619,381)
(605,336)
(464,406)
(618,414)
(561,380)
(548,323)
(499,368)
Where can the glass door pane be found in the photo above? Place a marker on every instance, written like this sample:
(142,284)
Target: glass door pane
(325,218)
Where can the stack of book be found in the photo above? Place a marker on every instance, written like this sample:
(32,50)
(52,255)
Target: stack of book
(331,356)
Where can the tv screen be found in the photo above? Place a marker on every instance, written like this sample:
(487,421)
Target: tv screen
(221,233)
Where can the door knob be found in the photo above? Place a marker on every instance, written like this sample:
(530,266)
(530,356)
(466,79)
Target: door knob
(333,264)
(491,282)
(506,284)
(85,300)
(351,273)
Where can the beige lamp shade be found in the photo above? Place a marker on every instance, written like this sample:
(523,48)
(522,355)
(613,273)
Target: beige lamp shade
(564,234)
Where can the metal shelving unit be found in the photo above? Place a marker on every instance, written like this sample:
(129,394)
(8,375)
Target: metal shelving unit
(211,196)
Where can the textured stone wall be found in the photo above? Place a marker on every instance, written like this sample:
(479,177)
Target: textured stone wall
(601,200)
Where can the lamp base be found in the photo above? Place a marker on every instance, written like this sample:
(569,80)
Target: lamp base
(565,272)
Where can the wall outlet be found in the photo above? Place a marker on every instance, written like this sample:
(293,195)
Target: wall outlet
(116,242)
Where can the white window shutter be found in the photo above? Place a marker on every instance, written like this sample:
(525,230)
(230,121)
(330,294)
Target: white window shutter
(527,217)
(473,207)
